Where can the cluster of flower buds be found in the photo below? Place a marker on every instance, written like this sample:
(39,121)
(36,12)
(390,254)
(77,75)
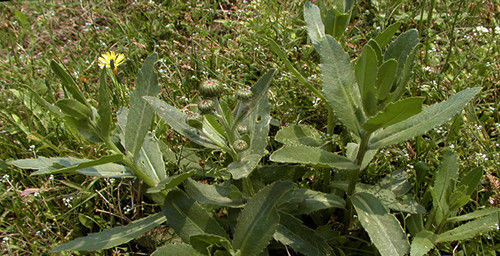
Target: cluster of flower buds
(211,88)
(240,145)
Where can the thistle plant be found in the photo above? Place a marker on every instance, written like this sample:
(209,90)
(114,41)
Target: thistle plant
(249,208)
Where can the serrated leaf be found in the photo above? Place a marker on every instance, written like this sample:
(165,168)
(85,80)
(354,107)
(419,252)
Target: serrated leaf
(376,48)
(140,113)
(74,109)
(313,156)
(429,118)
(305,201)
(386,36)
(382,227)
(259,219)
(366,69)
(150,159)
(394,113)
(475,214)
(315,27)
(68,82)
(299,135)
(114,236)
(385,78)
(170,182)
(471,229)
(292,232)
(102,167)
(177,121)
(339,83)
(176,249)
(188,218)
(218,195)
(422,243)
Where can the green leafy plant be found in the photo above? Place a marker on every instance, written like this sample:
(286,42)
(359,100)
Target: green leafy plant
(239,206)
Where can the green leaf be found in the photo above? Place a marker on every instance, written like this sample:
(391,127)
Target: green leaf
(400,48)
(385,37)
(313,156)
(114,236)
(170,182)
(292,232)
(366,73)
(422,243)
(177,120)
(471,180)
(397,182)
(102,167)
(74,109)
(188,218)
(104,123)
(475,214)
(140,113)
(68,82)
(202,242)
(219,195)
(446,176)
(471,229)
(429,118)
(315,27)
(382,227)
(213,130)
(405,74)
(258,125)
(339,84)
(259,91)
(385,78)
(259,219)
(389,199)
(376,48)
(305,201)
(176,249)
(394,113)
(352,152)
(150,159)
(244,167)
(299,135)
(269,174)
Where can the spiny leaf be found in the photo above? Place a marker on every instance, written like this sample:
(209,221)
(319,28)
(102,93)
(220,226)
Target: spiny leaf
(429,118)
(140,113)
(114,236)
(382,227)
(259,219)
(311,155)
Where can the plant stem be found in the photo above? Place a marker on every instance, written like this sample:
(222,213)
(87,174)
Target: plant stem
(363,147)
(247,185)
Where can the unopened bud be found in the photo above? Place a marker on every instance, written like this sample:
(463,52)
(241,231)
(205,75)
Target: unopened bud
(211,88)
(206,106)
(240,145)
(242,129)
(244,94)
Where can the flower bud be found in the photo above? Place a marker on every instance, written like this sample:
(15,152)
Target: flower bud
(194,120)
(244,94)
(206,106)
(240,145)
(242,129)
(211,88)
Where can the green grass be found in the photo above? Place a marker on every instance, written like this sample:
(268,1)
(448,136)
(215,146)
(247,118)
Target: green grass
(224,40)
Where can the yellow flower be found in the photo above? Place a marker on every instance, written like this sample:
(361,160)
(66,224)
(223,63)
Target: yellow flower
(106,58)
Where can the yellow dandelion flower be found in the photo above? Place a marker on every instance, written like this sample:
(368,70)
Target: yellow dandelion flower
(106,58)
